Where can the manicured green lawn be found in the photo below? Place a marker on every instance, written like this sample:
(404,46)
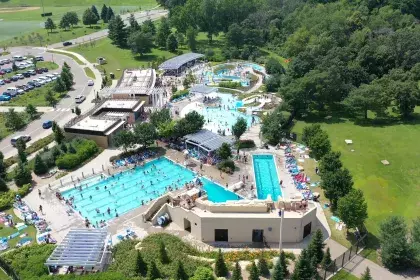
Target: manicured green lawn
(5,131)
(273,54)
(3,275)
(69,55)
(344,275)
(35,97)
(61,3)
(6,231)
(89,73)
(389,190)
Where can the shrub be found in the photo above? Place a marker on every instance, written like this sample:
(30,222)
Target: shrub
(227,166)
(39,144)
(68,161)
(7,198)
(230,84)
(40,167)
(245,144)
(85,149)
(179,94)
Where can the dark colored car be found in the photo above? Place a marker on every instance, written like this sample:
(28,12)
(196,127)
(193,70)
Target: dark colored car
(2,72)
(38,85)
(8,70)
(26,74)
(47,124)
(14,78)
(7,81)
(39,71)
(44,69)
(30,87)
(67,43)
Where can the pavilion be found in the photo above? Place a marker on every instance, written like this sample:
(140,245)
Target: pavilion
(176,65)
(206,140)
(80,251)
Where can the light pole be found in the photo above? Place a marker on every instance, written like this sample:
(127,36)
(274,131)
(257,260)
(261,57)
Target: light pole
(42,4)
(281,213)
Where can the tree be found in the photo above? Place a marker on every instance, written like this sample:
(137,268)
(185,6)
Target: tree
(22,174)
(278,273)
(239,128)
(180,38)
(273,66)
(67,79)
(89,17)
(118,32)
(14,120)
(140,42)
(77,111)
(14,67)
(220,268)
(152,271)
(159,117)
(145,134)
(406,97)
(203,273)
(50,25)
(366,275)
(415,230)
(237,274)
(235,36)
(284,264)
(330,162)
(171,43)
(2,167)
(110,14)
(320,145)
(254,275)
(3,186)
(21,147)
(71,149)
(64,22)
(125,139)
(352,209)
(31,111)
(50,98)
(167,129)
(95,11)
(39,166)
(191,38)
(59,85)
(309,133)
(396,253)
(133,24)
(272,126)
(263,266)
(180,273)
(336,184)
(326,260)
(163,255)
(149,27)
(141,266)
(63,147)
(315,248)
(163,33)
(104,12)
(193,122)
(73,18)
(303,267)
(365,98)
(58,133)
(224,151)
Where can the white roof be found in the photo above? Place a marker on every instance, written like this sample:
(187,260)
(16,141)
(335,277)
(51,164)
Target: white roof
(120,104)
(95,124)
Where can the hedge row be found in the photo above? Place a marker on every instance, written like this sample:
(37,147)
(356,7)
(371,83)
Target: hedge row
(8,198)
(85,150)
(179,94)
(230,84)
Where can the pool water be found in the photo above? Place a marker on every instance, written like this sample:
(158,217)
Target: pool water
(225,117)
(266,179)
(255,66)
(127,190)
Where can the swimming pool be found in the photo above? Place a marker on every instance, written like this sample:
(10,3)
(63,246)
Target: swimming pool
(256,67)
(127,190)
(266,179)
(223,118)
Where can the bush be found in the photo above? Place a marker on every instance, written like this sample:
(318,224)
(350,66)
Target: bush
(230,84)
(7,198)
(40,167)
(245,144)
(179,94)
(68,161)
(85,150)
(227,166)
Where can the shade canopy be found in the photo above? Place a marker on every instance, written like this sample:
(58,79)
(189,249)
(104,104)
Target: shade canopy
(81,247)
(203,89)
(207,140)
(176,62)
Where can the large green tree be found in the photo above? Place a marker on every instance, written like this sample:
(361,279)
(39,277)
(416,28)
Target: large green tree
(239,128)
(2,167)
(22,174)
(352,209)
(58,133)
(366,275)
(272,127)
(40,167)
(180,273)
(336,185)
(50,25)
(203,273)
(31,111)
(104,12)
(237,274)
(124,139)
(330,162)
(21,149)
(171,43)
(14,120)
(192,38)
(254,274)
(316,247)
(140,42)
(220,268)
(145,134)
(303,267)
(89,17)
(118,32)
(163,33)
(159,117)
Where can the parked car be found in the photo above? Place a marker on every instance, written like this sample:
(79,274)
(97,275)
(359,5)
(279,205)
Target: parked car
(20,76)
(8,70)
(30,87)
(32,72)
(1,62)
(47,124)
(7,81)
(44,69)
(39,58)
(68,43)
(5,97)
(90,83)
(25,138)
(11,93)
(80,99)
(20,91)
(2,82)
(7,61)
(39,71)
(14,78)
(2,72)
(26,74)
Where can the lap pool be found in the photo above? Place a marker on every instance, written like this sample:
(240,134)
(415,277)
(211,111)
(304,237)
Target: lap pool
(266,179)
(126,191)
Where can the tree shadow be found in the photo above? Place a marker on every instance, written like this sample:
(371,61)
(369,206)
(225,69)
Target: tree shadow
(146,57)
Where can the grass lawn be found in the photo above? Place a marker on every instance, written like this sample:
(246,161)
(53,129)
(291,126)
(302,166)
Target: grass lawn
(344,275)
(3,275)
(89,73)
(4,131)
(61,3)
(69,55)
(389,190)
(6,231)
(35,97)
(273,54)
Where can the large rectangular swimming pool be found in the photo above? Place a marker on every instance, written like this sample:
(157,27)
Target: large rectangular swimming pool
(130,189)
(266,179)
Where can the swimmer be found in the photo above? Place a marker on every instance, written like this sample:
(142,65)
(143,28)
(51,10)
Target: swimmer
(90,197)
(105,187)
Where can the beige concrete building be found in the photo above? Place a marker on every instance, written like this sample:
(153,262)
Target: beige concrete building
(243,221)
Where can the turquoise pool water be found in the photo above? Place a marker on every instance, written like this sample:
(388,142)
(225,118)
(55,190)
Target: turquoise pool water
(255,66)
(266,179)
(225,117)
(127,190)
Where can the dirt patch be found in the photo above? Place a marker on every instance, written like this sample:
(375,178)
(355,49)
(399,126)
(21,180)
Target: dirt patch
(17,9)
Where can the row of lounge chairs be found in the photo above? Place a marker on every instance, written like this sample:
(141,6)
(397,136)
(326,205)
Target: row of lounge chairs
(134,159)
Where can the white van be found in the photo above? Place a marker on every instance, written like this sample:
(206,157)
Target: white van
(11,89)
(17,58)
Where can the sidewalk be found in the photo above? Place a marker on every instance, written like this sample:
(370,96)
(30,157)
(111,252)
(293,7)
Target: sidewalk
(4,109)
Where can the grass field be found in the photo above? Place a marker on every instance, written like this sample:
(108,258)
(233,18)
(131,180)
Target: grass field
(389,190)
(6,231)
(3,275)
(69,55)
(89,73)
(61,3)
(344,275)
(4,131)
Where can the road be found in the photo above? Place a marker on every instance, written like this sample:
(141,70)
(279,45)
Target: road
(62,113)
(140,16)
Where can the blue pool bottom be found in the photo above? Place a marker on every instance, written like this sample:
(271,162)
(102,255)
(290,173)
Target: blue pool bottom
(126,191)
(266,179)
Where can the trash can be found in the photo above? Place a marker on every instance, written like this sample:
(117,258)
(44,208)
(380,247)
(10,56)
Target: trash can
(111,75)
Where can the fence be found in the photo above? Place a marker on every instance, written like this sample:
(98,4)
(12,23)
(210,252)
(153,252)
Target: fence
(339,262)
